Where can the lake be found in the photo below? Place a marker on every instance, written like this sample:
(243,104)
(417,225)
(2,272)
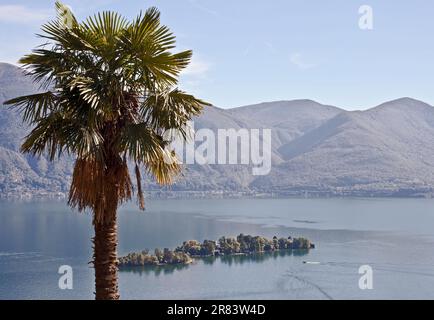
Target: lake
(393,236)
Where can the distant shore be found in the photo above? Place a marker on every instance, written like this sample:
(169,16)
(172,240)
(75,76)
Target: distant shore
(224,194)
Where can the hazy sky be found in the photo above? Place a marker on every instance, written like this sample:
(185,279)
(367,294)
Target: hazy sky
(248,51)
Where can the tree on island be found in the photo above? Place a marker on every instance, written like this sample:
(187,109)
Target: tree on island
(109,97)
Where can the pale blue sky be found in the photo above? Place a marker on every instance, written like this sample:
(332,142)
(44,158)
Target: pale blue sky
(248,51)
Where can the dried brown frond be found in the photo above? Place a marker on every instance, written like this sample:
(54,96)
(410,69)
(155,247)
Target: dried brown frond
(140,197)
(100,189)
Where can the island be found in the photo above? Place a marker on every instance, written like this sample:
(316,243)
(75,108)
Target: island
(241,245)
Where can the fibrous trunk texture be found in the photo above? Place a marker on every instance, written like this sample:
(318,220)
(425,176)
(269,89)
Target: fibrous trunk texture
(105,260)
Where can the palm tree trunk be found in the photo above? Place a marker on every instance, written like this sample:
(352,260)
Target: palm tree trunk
(105,260)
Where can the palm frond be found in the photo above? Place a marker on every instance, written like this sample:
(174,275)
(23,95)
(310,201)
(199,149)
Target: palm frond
(147,44)
(171,110)
(140,143)
(106,25)
(165,168)
(56,133)
(36,106)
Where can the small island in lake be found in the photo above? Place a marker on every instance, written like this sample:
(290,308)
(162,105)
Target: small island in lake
(242,244)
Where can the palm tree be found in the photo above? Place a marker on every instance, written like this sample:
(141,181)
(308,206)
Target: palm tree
(109,98)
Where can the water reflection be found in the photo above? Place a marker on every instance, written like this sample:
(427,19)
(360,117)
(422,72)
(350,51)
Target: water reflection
(155,270)
(254,258)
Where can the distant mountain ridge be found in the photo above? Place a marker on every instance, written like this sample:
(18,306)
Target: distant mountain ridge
(317,150)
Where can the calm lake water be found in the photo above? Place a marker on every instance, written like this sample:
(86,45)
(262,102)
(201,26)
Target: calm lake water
(394,236)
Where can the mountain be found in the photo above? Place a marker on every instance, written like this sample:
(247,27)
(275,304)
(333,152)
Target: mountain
(384,150)
(288,119)
(317,150)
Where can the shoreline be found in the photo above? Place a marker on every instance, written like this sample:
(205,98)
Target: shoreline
(198,195)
